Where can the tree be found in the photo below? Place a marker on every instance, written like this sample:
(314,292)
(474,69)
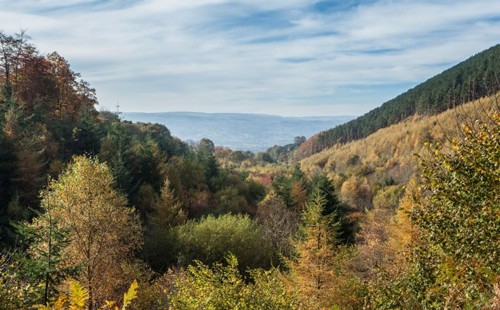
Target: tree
(166,210)
(211,239)
(312,267)
(12,48)
(45,241)
(7,170)
(166,213)
(279,224)
(332,205)
(453,259)
(223,287)
(320,269)
(457,216)
(103,231)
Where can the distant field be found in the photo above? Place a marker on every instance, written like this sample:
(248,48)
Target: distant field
(252,132)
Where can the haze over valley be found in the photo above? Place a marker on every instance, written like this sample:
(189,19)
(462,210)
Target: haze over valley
(238,131)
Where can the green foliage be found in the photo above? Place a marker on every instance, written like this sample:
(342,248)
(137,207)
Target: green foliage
(16,292)
(211,239)
(334,207)
(223,287)
(45,241)
(467,81)
(388,198)
(159,239)
(283,185)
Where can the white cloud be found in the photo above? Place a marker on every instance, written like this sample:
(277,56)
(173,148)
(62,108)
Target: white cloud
(205,55)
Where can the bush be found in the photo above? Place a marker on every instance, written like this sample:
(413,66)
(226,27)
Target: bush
(223,287)
(211,239)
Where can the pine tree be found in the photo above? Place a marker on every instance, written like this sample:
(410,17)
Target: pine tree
(45,240)
(166,210)
(334,207)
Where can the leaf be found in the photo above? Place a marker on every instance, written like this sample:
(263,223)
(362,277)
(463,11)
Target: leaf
(78,296)
(130,295)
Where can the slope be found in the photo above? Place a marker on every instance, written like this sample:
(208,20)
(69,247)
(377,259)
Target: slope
(367,169)
(471,79)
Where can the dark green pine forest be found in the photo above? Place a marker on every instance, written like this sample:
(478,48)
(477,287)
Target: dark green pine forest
(469,80)
(101,213)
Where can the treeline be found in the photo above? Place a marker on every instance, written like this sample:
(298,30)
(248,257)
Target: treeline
(476,77)
(91,203)
(89,197)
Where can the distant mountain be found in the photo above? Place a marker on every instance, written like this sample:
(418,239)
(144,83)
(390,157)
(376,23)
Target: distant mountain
(472,79)
(252,132)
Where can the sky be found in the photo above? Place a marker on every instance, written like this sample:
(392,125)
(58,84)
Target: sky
(283,57)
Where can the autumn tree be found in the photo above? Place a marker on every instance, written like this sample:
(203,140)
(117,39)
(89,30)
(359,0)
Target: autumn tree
(312,268)
(103,231)
(12,48)
(279,224)
(321,269)
(453,260)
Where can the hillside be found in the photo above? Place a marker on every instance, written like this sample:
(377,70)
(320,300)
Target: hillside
(238,131)
(91,204)
(469,80)
(364,170)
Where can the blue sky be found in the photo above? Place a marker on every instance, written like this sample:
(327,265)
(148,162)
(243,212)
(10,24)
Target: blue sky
(285,57)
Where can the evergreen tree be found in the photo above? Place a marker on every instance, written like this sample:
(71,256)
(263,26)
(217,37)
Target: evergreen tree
(45,240)
(334,207)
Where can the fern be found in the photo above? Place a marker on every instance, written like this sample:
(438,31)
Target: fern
(130,295)
(78,296)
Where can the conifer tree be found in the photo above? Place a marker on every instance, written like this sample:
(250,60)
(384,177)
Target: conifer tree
(312,268)
(166,210)
(333,206)
(45,240)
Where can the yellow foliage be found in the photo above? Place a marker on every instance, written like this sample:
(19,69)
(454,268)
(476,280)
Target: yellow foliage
(77,299)
(78,296)
(130,295)
(392,148)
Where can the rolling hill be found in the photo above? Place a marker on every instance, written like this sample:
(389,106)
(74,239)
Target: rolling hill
(249,132)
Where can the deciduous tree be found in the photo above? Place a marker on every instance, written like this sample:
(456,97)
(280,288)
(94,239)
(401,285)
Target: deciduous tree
(103,231)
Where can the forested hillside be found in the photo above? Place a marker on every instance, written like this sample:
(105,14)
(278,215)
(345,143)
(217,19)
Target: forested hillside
(101,213)
(471,79)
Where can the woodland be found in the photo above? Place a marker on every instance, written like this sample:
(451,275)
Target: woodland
(398,209)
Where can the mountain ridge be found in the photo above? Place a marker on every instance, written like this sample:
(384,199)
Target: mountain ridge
(471,79)
(238,131)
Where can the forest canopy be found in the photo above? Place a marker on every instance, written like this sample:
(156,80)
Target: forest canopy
(97,212)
